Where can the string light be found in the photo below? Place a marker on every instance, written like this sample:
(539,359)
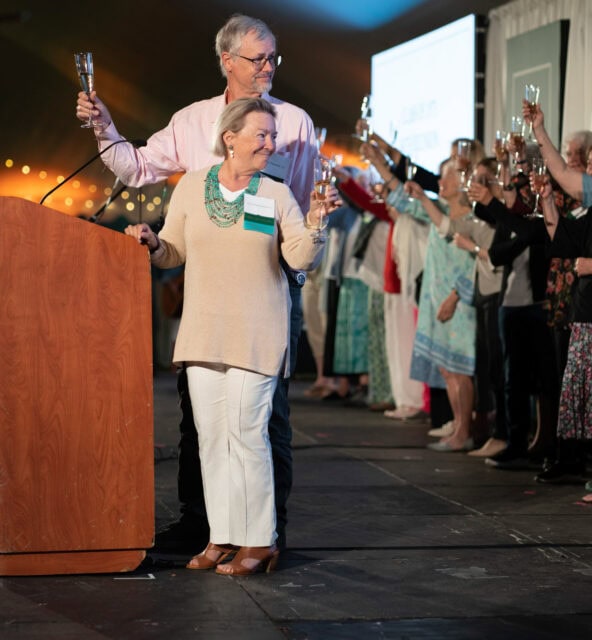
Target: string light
(75,196)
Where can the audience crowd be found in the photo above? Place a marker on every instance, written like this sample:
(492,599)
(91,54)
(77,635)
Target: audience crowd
(459,300)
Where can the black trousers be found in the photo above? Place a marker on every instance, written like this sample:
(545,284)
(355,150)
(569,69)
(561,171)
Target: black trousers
(529,367)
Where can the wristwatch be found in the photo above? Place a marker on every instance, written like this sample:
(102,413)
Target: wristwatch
(476,249)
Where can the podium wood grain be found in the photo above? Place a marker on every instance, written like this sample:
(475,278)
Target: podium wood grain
(76,401)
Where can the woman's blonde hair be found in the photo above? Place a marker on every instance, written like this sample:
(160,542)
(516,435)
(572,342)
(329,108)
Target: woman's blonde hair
(233,119)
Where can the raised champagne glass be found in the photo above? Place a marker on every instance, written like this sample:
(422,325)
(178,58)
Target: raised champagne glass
(320,137)
(539,172)
(322,182)
(410,171)
(500,150)
(86,76)
(363,129)
(517,138)
(463,161)
(532,95)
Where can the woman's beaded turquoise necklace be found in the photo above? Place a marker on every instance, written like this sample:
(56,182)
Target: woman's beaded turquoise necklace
(221,212)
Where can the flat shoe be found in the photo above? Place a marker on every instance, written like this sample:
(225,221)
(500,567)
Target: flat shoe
(445,447)
(443,431)
(492,447)
(317,391)
(405,413)
(211,556)
(381,406)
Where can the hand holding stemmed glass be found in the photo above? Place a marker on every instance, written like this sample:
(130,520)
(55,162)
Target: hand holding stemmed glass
(363,129)
(322,188)
(517,142)
(86,77)
(538,180)
(410,171)
(479,190)
(533,115)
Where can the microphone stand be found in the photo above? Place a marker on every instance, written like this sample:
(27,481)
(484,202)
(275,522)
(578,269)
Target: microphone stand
(99,214)
(135,143)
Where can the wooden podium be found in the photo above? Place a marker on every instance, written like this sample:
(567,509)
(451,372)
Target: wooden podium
(76,395)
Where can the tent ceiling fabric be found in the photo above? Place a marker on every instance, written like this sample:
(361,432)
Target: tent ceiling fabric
(152,58)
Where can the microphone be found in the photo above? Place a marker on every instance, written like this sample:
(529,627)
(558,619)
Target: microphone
(136,143)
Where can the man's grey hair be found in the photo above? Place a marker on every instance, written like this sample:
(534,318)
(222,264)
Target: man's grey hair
(231,35)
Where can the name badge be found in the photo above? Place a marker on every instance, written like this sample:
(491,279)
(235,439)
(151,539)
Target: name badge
(259,214)
(277,167)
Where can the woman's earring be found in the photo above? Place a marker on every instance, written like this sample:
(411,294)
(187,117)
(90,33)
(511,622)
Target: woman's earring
(231,150)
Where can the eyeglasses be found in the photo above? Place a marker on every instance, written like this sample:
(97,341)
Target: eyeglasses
(259,63)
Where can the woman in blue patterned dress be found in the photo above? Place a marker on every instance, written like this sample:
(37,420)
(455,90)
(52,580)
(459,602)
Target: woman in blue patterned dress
(444,347)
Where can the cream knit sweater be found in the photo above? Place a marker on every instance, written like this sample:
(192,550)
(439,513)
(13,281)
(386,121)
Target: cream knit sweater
(236,306)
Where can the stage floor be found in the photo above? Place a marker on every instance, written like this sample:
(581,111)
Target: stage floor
(386,538)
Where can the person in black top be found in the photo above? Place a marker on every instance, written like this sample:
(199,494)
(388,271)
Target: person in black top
(519,245)
(573,239)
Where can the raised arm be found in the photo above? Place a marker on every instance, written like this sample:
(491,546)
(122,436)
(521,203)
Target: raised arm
(430,207)
(570,180)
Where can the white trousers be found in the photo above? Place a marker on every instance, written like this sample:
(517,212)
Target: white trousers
(231,409)
(399,323)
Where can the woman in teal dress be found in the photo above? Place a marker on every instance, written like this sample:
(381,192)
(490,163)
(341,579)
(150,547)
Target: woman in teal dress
(444,346)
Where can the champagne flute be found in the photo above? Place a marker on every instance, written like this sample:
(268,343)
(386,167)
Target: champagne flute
(532,94)
(365,114)
(463,161)
(410,171)
(322,181)
(539,172)
(376,184)
(500,150)
(517,137)
(320,136)
(86,76)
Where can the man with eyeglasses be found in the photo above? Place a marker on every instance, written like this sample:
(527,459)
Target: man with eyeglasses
(246,50)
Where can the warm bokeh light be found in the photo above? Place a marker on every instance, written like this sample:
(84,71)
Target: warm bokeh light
(349,158)
(82,195)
